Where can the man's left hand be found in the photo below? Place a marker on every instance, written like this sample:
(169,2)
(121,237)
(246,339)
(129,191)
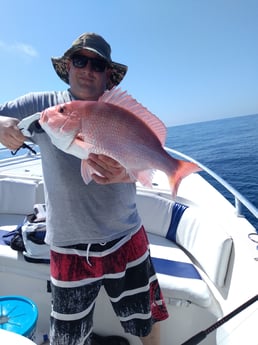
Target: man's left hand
(111,171)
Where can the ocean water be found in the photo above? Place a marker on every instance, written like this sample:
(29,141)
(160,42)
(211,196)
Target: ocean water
(229,147)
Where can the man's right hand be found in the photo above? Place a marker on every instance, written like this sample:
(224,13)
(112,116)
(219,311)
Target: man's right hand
(10,134)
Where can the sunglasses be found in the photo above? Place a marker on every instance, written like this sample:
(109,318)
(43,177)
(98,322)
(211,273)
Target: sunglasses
(81,61)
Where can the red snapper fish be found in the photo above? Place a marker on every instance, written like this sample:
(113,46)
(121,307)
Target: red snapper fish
(119,127)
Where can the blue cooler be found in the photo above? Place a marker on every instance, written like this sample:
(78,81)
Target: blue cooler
(19,315)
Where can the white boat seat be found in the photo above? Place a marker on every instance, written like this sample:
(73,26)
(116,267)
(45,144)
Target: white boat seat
(211,253)
(178,277)
(27,193)
(174,225)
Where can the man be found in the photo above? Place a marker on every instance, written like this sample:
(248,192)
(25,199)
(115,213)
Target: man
(94,231)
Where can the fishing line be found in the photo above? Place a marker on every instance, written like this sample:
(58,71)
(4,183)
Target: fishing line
(24,146)
(196,339)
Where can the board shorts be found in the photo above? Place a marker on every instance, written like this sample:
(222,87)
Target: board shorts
(125,270)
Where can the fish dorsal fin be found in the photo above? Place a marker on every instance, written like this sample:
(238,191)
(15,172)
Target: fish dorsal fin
(123,100)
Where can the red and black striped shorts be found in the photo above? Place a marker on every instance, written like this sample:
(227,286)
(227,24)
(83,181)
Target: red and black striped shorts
(124,268)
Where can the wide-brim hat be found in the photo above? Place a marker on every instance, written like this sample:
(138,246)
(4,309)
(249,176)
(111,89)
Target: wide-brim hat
(96,44)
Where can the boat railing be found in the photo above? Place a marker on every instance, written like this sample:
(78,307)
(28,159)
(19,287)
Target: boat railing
(240,200)
(7,156)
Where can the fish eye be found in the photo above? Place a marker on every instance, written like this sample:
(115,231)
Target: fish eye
(61,109)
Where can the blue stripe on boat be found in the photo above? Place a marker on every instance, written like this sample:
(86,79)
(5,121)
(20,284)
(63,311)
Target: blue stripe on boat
(178,210)
(175,268)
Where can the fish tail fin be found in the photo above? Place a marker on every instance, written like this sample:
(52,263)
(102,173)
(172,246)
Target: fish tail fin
(184,169)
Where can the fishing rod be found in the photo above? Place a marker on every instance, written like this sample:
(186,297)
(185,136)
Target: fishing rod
(196,339)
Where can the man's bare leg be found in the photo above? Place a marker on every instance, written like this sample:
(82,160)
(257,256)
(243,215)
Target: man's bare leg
(154,337)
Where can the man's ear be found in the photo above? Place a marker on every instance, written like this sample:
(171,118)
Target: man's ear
(108,75)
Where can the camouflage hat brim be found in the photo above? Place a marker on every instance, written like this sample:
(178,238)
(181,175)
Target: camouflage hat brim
(94,43)
(117,74)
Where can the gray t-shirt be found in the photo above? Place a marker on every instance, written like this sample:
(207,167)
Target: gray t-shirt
(76,212)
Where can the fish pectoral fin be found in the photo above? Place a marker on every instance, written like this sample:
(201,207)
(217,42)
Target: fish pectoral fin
(144,177)
(86,171)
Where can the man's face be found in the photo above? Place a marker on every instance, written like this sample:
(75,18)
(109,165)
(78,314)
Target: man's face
(87,78)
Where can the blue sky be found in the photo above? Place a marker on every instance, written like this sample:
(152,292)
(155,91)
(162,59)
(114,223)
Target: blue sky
(189,60)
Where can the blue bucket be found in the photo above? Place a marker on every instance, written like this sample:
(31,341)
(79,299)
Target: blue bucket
(19,315)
